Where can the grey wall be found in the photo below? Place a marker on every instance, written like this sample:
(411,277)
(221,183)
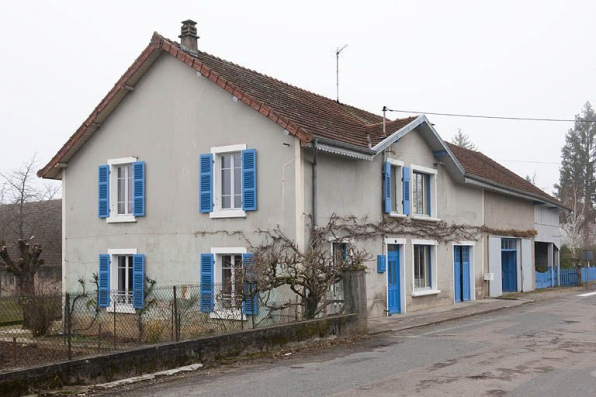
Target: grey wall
(171,118)
(507,212)
(546,223)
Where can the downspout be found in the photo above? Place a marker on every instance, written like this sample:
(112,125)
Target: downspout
(314,184)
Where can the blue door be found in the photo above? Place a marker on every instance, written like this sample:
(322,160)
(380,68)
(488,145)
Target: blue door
(393,290)
(461,273)
(509,267)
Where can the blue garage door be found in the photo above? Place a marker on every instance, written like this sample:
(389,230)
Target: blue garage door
(509,264)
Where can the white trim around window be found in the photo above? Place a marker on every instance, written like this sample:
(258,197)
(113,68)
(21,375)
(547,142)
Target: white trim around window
(432,289)
(432,172)
(218,212)
(114,253)
(113,190)
(218,313)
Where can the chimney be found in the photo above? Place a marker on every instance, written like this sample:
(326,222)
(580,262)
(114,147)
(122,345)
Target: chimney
(188,36)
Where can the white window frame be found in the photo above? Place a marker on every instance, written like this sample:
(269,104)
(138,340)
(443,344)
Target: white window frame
(433,290)
(218,212)
(432,172)
(397,167)
(114,254)
(114,217)
(219,312)
(472,247)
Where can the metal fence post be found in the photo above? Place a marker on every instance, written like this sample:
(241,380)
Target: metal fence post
(176,321)
(115,303)
(68,325)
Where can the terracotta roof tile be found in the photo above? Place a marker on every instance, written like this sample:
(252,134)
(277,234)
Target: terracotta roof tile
(477,164)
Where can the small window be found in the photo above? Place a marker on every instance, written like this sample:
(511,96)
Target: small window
(422,267)
(231,282)
(124,279)
(124,186)
(340,252)
(231,181)
(421,196)
(508,243)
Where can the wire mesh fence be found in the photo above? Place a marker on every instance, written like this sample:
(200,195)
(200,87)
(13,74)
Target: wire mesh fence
(49,328)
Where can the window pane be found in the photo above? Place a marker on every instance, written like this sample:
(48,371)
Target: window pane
(421,266)
(238,201)
(237,160)
(121,190)
(226,161)
(129,188)
(226,181)
(226,202)
(237,180)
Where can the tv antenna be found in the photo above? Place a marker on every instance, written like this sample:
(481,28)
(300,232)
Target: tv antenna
(337,52)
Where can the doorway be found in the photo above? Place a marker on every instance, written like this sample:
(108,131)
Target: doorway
(393,280)
(461,272)
(509,264)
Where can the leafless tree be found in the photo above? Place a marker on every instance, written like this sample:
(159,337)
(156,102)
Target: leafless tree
(19,189)
(575,222)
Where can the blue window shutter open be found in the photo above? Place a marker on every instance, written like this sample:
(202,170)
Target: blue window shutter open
(206,183)
(250,303)
(381,263)
(387,184)
(138,203)
(138,281)
(207,283)
(249,180)
(103,299)
(104,191)
(406,187)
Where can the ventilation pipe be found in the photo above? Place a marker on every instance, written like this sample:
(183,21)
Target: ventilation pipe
(188,36)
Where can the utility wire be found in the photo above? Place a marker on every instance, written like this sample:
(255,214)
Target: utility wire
(528,161)
(476,116)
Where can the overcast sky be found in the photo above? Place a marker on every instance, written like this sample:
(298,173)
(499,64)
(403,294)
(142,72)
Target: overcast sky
(508,58)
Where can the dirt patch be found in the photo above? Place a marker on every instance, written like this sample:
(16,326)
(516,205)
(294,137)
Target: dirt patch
(27,355)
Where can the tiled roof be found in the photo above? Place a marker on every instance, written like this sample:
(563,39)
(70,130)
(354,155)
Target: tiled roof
(477,164)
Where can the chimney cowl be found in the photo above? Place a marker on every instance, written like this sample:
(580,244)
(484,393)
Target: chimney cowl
(188,36)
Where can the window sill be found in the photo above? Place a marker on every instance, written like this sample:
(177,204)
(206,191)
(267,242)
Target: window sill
(397,215)
(227,315)
(121,219)
(425,292)
(227,214)
(122,308)
(425,218)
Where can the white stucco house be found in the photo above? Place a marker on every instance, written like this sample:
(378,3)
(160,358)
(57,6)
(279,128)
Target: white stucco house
(187,144)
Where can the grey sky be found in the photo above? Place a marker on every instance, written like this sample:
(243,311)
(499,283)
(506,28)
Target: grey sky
(513,58)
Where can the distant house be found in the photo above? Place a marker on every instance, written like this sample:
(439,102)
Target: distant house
(42,224)
(187,146)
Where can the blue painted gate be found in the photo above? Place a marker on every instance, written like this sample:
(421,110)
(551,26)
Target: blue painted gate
(461,273)
(393,288)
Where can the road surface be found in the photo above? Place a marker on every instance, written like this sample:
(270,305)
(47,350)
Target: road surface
(545,348)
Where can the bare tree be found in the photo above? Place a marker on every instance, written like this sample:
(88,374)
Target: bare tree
(19,189)
(463,140)
(575,222)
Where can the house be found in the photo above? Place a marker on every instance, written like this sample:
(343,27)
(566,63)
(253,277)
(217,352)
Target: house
(42,224)
(189,154)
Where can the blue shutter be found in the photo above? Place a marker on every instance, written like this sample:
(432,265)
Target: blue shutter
(406,188)
(206,283)
(138,194)
(381,263)
(250,303)
(206,183)
(104,191)
(249,180)
(103,298)
(457,273)
(387,184)
(138,281)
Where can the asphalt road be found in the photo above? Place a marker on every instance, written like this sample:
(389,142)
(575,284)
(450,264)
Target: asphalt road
(542,349)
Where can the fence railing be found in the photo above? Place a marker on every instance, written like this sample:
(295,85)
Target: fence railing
(569,277)
(40,329)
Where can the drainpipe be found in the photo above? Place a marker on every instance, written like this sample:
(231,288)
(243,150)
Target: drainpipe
(314,184)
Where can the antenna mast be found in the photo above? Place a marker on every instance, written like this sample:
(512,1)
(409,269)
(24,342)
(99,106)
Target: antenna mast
(337,52)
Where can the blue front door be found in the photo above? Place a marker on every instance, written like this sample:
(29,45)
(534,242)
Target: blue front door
(461,273)
(509,268)
(393,291)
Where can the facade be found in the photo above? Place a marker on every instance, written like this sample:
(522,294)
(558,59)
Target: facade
(189,155)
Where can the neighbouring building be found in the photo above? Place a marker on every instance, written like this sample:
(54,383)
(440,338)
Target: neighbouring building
(42,224)
(187,147)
